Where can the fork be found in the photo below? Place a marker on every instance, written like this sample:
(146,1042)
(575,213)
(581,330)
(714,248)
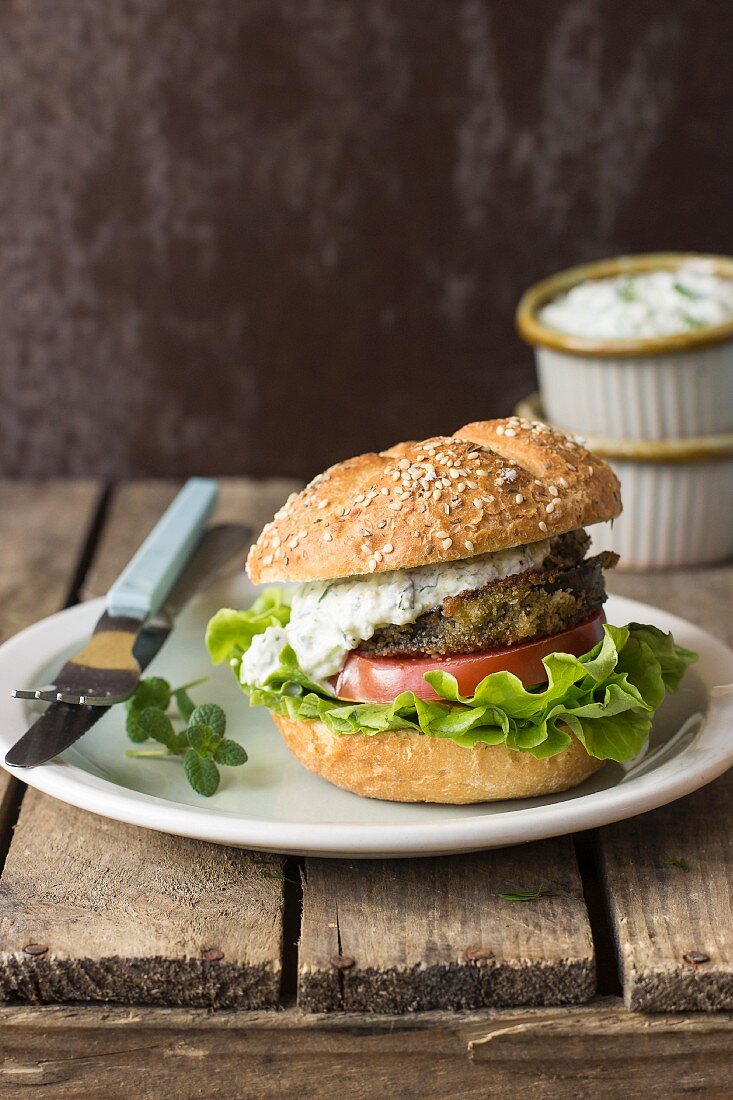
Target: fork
(105,670)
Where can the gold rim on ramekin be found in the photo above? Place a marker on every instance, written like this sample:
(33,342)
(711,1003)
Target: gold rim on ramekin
(535,332)
(704,448)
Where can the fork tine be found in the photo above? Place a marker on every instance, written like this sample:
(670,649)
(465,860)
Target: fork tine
(47,695)
(22,693)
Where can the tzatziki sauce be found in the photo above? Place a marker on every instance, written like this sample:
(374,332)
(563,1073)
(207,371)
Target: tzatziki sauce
(651,303)
(330,618)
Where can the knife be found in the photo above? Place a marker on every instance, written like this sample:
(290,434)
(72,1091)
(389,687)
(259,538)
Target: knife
(105,671)
(64,723)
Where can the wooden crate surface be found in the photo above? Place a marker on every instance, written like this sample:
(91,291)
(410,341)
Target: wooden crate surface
(92,911)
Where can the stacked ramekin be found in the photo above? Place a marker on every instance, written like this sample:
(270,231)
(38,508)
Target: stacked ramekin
(660,409)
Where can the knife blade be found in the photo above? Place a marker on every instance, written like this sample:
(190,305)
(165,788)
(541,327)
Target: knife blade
(63,723)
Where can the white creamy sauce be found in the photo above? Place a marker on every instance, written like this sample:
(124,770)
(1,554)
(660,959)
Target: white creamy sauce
(329,618)
(653,303)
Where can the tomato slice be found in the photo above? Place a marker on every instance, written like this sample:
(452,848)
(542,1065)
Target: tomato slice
(367,679)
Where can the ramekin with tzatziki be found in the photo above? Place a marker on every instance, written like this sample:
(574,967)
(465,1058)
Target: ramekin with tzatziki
(636,348)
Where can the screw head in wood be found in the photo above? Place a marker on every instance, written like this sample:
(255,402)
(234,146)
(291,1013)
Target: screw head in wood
(696,957)
(36,948)
(212,955)
(342,962)
(479,954)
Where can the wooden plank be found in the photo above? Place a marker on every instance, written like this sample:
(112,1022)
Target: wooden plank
(407,935)
(127,914)
(704,596)
(664,918)
(43,530)
(91,909)
(597,1052)
(674,928)
(137,506)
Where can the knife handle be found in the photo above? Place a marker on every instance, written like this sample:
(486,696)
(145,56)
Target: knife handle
(146,581)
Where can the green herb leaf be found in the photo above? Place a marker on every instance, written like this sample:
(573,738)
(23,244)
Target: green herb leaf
(685,291)
(203,739)
(133,728)
(210,714)
(230,753)
(185,703)
(627,289)
(156,725)
(527,895)
(679,862)
(201,773)
(154,691)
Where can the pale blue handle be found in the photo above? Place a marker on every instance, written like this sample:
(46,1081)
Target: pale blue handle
(144,584)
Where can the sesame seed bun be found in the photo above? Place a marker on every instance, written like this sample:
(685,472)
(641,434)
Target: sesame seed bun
(405,766)
(492,485)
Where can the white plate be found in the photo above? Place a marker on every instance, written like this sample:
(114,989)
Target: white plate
(274,804)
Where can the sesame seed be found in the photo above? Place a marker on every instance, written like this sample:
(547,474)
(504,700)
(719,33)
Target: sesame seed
(358,499)
(321,504)
(395,475)
(328,537)
(499,429)
(549,507)
(445,482)
(372,565)
(562,482)
(460,486)
(293,544)
(385,491)
(482,473)
(552,490)
(471,485)
(446,509)
(509,431)
(404,464)
(302,534)
(275,540)
(440,534)
(382,523)
(590,469)
(366,533)
(377,555)
(365,549)
(473,454)
(395,506)
(477,503)
(387,548)
(519,498)
(543,525)
(447,543)
(454,472)
(268,559)
(469,546)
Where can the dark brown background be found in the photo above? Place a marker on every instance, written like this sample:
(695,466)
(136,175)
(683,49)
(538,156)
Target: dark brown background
(254,236)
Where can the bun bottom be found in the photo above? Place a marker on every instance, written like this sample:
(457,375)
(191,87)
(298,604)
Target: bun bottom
(405,766)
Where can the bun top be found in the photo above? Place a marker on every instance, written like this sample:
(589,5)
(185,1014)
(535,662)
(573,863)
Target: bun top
(492,485)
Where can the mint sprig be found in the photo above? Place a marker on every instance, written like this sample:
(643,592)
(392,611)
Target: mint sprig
(202,743)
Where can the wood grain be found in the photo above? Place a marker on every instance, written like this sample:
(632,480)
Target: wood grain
(704,596)
(407,935)
(596,1052)
(659,913)
(664,918)
(128,914)
(124,914)
(43,530)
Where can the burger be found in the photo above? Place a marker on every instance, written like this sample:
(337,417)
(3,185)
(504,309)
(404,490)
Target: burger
(440,636)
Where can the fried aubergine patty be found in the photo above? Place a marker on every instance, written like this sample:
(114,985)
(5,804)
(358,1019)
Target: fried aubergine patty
(516,609)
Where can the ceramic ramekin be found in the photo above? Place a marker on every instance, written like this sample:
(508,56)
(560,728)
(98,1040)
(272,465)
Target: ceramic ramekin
(677,497)
(664,387)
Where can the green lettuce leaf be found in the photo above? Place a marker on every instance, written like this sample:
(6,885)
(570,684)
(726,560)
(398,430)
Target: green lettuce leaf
(606,698)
